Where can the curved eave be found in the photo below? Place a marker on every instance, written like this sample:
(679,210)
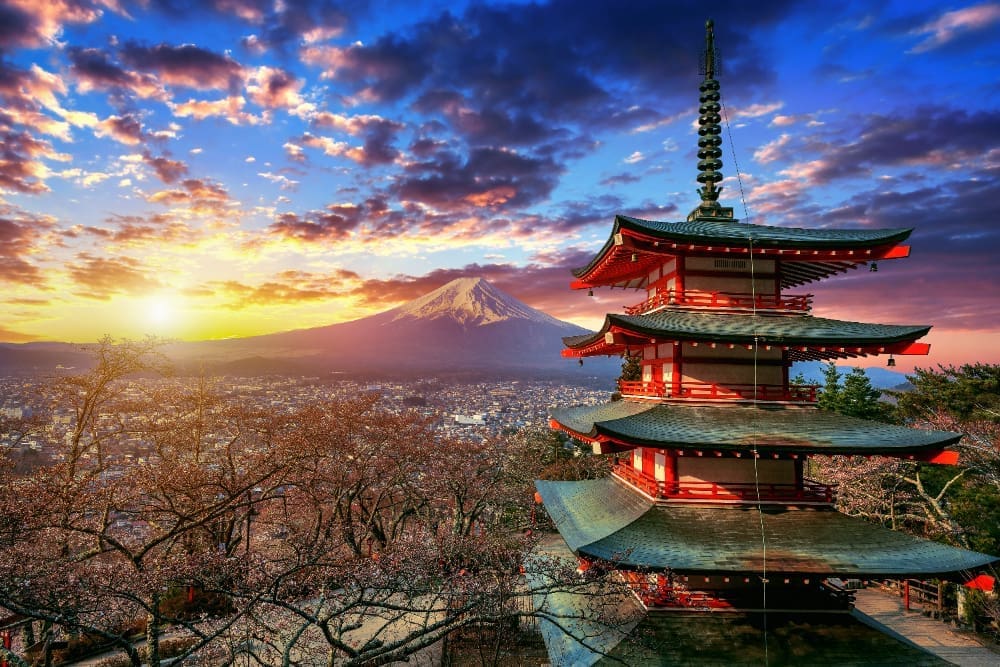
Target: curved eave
(805,337)
(636,245)
(602,519)
(735,428)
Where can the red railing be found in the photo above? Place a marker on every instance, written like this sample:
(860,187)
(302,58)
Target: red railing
(793,393)
(809,491)
(725,300)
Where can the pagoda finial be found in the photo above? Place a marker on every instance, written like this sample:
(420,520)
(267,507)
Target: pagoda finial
(709,136)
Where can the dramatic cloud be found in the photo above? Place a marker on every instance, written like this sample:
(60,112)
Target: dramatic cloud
(288,287)
(94,70)
(273,88)
(954,24)
(125,129)
(186,65)
(929,136)
(334,223)
(33,23)
(19,240)
(166,169)
(230,108)
(490,178)
(104,277)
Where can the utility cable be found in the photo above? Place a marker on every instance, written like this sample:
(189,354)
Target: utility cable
(756,347)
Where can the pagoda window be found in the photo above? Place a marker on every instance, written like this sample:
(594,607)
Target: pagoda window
(647,372)
(637,458)
(660,467)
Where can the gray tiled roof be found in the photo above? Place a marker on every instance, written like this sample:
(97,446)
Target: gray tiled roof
(771,428)
(706,232)
(597,518)
(768,329)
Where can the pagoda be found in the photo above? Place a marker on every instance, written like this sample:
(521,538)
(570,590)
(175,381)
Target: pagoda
(708,507)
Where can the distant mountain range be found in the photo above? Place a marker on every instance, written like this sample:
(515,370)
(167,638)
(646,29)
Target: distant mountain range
(465,325)
(880,378)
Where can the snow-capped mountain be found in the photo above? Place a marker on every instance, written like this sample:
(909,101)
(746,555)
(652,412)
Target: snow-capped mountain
(471,302)
(465,325)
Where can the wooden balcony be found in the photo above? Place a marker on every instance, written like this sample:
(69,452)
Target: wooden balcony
(793,393)
(730,301)
(810,491)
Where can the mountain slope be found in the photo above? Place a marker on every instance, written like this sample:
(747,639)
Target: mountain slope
(466,325)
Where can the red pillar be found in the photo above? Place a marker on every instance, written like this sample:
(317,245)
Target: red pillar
(5,635)
(906,594)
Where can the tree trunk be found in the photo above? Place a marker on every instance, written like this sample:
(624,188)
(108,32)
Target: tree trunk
(153,632)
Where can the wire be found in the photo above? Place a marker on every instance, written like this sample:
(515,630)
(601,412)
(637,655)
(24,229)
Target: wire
(756,347)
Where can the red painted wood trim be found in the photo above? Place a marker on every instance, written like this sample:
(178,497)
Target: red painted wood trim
(944,457)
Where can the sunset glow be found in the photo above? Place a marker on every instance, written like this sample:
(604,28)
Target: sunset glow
(238,167)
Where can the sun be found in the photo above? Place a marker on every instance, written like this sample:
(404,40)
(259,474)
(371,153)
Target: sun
(161,311)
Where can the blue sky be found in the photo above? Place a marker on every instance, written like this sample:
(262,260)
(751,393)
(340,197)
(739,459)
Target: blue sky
(211,169)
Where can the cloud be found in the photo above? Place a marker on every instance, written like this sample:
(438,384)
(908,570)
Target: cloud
(186,65)
(168,171)
(956,23)
(335,223)
(278,179)
(929,136)
(490,178)
(21,166)
(772,151)
(274,88)
(282,23)
(104,277)
(21,237)
(230,108)
(30,23)
(93,70)
(384,71)
(200,196)
(287,287)
(125,129)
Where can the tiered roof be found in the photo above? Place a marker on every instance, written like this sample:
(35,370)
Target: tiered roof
(771,430)
(806,254)
(804,336)
(602,519)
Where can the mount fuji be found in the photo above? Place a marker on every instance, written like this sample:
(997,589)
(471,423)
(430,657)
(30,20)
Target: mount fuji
(467,324)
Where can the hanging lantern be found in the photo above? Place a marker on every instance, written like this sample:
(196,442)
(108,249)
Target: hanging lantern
(891,363)
(635,257)
(590,292)
(874,267)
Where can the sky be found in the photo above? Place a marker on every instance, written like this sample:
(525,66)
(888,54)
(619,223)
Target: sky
(223,168)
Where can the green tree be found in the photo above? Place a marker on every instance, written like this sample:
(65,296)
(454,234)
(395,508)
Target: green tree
(855,396)
(631,367)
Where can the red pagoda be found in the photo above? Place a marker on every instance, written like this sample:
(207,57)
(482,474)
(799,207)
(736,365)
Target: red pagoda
(708,507)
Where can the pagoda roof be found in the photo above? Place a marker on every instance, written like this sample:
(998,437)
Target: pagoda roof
(603,519)
(772,428)
(825,251)
(812,334)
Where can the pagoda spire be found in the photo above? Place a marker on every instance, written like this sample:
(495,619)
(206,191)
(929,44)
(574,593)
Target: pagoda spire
(709,137)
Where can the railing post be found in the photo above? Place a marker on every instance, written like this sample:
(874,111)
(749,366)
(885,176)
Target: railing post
(906,594)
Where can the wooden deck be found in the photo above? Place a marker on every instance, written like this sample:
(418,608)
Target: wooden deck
(885,611)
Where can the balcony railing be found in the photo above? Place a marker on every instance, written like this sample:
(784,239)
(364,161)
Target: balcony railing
(809,491)
(723,300)
(793,393)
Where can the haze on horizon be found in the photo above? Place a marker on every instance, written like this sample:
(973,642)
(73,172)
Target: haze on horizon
(239,167)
